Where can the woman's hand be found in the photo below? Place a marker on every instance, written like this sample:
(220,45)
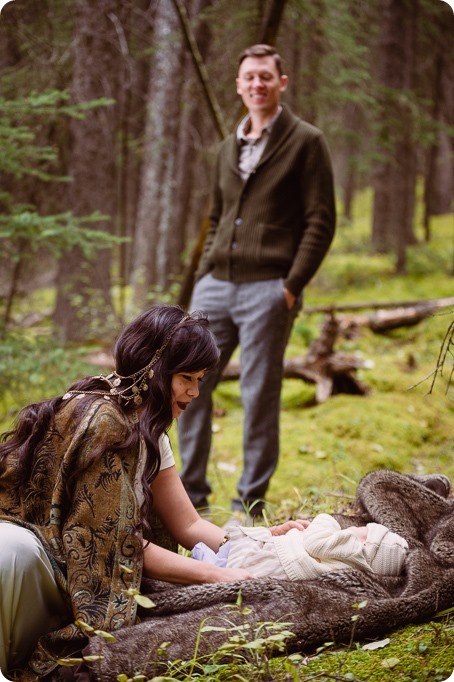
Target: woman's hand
(161,564)
(228,575)
(283,528)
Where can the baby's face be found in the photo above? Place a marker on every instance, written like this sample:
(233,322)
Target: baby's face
(360,532)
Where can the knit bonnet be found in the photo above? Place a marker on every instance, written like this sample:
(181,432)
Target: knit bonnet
(384,550)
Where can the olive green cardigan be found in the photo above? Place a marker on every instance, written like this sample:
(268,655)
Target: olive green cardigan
(281,221)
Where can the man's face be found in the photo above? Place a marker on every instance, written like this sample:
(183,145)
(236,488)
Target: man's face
(260,84)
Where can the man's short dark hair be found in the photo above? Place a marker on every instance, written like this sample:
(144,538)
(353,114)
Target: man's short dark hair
(262,50)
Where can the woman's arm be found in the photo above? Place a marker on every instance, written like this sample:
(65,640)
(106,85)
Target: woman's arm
(176,511)
(162,564)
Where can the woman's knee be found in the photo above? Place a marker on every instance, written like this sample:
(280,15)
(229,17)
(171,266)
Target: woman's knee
(20,551)
(26,578)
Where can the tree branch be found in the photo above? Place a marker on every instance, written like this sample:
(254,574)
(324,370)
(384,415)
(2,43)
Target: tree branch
(202,72)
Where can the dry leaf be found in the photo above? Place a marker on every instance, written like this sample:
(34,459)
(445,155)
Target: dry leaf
(376,645)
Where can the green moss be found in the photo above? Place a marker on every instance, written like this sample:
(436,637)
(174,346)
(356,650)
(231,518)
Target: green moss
(413,654)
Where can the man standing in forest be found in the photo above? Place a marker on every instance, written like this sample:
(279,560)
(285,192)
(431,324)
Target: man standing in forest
(271,223)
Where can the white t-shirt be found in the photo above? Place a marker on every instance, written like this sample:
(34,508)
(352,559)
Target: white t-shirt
(167,460)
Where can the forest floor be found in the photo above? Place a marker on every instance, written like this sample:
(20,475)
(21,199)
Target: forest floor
(404,423)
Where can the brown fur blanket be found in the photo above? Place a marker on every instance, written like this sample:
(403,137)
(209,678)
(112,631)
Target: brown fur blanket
(318,610)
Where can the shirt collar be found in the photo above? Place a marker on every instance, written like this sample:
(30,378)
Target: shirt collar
(244,125)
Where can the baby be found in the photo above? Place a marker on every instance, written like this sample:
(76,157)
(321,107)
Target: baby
(299,550)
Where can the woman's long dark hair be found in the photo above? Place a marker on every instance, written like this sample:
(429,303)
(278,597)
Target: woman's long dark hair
(191,348)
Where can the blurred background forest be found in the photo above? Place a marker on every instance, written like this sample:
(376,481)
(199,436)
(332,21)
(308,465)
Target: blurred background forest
(111,112)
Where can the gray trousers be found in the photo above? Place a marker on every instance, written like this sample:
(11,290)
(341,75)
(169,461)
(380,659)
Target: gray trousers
(255,316)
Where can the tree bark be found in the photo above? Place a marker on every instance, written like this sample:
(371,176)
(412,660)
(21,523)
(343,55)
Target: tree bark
(271,21)
(439,170)
(312,55)
(132,115)
(156,245)
(352,124)
(395,175)
(84,307)
(197,58)
(196,137)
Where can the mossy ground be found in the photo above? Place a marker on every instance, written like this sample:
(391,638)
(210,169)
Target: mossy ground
(413,654)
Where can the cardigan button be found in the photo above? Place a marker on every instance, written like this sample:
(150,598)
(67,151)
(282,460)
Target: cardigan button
(239,221)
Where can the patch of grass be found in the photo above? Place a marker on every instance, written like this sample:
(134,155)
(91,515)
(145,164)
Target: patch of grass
(326,449)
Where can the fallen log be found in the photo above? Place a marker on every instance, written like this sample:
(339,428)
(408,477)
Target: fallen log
(379,305)
(386,320)
(332,372)
(388,316)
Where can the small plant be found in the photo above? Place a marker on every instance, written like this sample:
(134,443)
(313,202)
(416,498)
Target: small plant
(25,233)
(34,366)
(89,631)
(244,656)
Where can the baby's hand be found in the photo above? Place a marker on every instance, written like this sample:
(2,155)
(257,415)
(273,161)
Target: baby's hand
(283,528)
(359,531)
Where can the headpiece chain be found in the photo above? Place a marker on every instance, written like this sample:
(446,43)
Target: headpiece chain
(139,378)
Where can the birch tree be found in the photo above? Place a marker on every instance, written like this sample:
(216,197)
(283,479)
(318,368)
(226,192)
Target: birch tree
(155,243)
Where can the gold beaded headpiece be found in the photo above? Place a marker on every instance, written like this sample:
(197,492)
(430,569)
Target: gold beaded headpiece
(139,378)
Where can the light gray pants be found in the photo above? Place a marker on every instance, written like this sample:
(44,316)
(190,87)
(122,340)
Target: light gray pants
(255,316)
(30,602)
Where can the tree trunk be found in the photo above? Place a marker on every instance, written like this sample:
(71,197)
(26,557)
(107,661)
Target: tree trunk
(395,175)
(196,136)
(439,170)
(352,120)
(84,307)
(132,116)
(312,55)
(432,153)
(381,215)
(156,246)
(271,21)
(294,62)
